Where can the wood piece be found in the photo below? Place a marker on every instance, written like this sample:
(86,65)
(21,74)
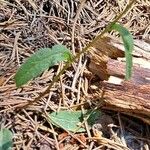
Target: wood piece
(99,55)
(140,75)
(129,97)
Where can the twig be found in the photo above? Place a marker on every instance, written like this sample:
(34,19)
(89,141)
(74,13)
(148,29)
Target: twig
(74,24)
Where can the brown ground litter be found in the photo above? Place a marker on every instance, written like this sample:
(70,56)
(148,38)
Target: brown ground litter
(26,26)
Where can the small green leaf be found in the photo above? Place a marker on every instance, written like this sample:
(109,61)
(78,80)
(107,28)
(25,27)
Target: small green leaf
(128,44)
(5,139)
(71,120)
(40,61)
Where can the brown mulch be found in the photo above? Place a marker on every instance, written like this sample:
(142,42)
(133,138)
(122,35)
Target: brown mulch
(26,26)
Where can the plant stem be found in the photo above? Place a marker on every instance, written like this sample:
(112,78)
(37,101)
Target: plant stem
(56,78)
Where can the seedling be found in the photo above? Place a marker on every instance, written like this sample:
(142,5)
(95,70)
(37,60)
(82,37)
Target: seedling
(46,58)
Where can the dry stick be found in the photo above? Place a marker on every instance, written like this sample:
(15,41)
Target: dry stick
(24,9)
(74,25)
(15,48)
(56,78)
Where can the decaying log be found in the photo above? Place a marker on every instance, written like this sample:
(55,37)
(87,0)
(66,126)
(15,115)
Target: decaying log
(99,55)
(140,75)
(129,97)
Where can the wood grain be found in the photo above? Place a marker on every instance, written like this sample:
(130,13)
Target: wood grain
(129,97)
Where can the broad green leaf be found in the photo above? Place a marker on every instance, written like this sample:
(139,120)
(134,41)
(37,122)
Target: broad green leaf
(128,44)
(40,61)
(71,120)
(5,139)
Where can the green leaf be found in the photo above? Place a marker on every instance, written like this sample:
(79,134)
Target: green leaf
(40,61)
(128,44)
(71,120)
(5,139)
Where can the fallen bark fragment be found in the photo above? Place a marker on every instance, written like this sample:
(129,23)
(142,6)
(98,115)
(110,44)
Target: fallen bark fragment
(129,97)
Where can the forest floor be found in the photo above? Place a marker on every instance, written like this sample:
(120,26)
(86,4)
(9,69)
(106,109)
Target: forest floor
(25,27)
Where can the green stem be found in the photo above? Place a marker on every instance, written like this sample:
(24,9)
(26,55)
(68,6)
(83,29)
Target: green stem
(56,78)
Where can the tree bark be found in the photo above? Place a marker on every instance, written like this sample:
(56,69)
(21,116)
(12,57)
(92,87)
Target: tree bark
(129,97)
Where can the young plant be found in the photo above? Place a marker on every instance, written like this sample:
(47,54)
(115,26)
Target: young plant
(46,58)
